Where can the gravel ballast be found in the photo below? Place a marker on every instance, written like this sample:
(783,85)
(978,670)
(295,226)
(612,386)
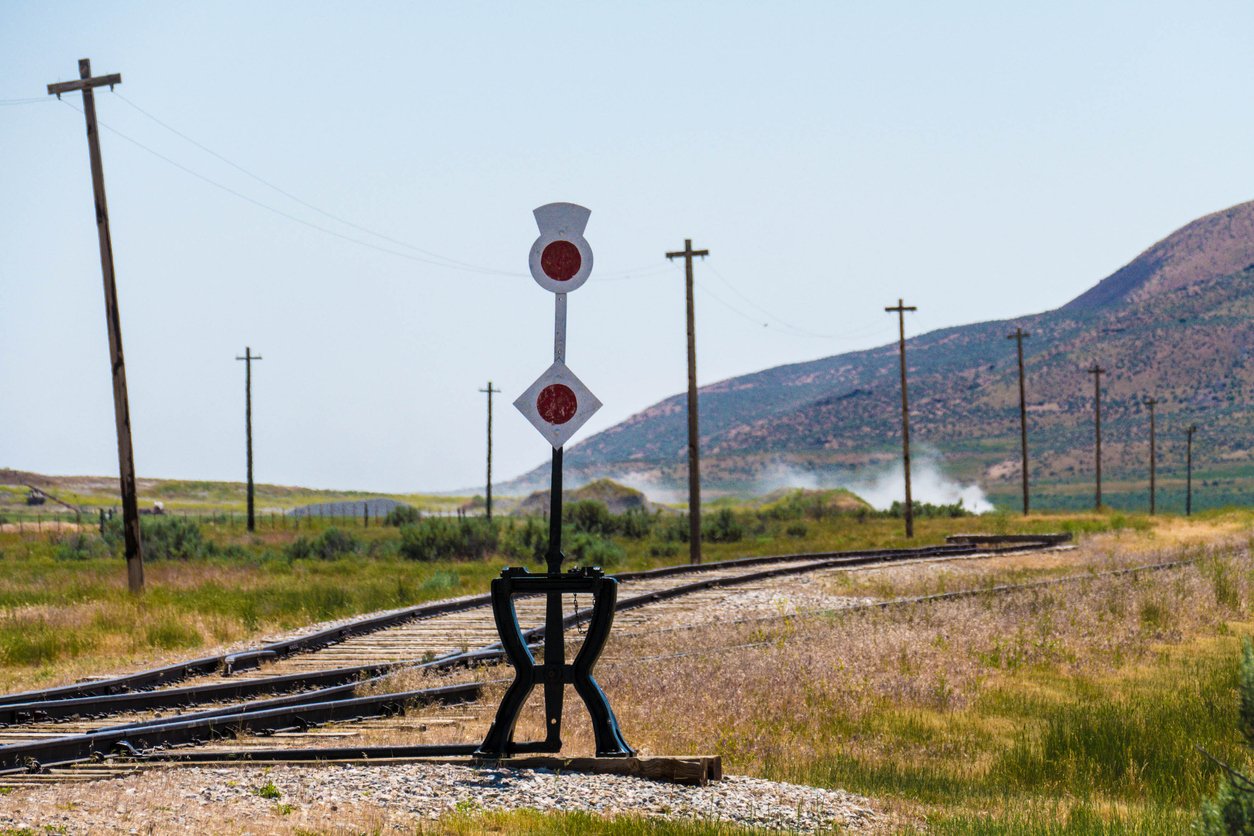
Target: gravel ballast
(402,798)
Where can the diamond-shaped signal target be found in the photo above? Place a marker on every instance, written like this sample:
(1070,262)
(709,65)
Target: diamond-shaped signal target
(557,404)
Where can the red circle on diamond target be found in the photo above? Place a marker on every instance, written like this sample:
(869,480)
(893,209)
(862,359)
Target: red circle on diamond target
(560,260)
(557,403)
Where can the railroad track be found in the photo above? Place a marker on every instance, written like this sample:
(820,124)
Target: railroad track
(311,680)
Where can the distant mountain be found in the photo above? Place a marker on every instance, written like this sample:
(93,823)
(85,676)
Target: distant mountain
(1176,323)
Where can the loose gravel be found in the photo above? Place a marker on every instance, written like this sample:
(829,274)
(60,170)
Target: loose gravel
(402,798)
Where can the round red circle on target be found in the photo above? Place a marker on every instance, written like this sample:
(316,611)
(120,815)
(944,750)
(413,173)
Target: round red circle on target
(557,403)
(561,260)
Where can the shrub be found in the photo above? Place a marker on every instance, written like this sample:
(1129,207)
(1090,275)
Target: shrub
(527,542)
(673,529)
(636,524)
(402,515)
(1232,809)
(592,550)
(330,544)
(164,538)
(663,550)
(797,529)
(469,538)
(722,527)
(590,517)
(80,546)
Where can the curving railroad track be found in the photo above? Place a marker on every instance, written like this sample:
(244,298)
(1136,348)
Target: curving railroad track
(315,679)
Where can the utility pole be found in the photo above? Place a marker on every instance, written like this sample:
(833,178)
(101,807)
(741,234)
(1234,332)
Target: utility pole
(1188,483)
(248,359)
(1151,403)
(489,392)
(900,310)
(1097,372)
(1018,336)
(694,466)
(121,403)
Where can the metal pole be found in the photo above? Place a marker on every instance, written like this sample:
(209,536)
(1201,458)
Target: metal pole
(121,403)
(905,411)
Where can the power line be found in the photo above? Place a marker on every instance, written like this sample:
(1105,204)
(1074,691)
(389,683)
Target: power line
(10,102)
(448,263)
(307,204)
(466,265)
(846,335)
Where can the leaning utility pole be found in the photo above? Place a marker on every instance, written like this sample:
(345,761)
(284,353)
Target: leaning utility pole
(489,392)
(1018,336)
(1151,403)
(900,310)
(248,359)
(121,404)
(1188,484)
(1097,372)
(694,467)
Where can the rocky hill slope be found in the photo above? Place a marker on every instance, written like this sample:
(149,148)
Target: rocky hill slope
(1176,323)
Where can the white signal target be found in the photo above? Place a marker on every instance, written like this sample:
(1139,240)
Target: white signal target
(561,259)
(557,404)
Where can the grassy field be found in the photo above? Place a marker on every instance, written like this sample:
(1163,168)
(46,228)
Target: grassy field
(1074,708)
(1067,709)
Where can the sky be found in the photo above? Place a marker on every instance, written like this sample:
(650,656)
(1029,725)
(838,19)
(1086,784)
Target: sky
(347,189)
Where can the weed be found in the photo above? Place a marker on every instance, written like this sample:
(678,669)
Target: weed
(268,791)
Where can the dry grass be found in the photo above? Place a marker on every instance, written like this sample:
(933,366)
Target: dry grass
(1078,702)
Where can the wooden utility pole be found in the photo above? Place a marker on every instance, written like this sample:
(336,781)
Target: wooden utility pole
(1151,403)
(1097,372)
(489,392)
(900,310)
(121,403)
(1188,483)
(248,359)
(694,466)
(1018,336)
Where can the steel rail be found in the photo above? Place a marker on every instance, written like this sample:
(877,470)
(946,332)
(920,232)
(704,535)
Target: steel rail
(325,682)
(241,660)
(325,705)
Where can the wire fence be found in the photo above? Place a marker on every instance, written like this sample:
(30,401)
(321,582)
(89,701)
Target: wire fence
(343,515)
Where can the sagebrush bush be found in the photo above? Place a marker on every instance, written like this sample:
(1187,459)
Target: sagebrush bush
(330,544)
(526,543)
(402,515)
(590,517)
(724,526)
(1232,808)
(636,524)
(590,550)
(469,538)
(80,546)
(164,538)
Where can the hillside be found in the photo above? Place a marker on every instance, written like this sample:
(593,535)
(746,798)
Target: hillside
(1177,323)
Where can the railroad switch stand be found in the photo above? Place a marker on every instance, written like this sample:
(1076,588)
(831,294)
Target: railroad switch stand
(557,404)
(555,673)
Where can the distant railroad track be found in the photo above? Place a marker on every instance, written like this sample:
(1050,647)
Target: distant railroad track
(313,679)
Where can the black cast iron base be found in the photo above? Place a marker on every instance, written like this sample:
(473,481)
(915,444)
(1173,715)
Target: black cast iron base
(555,674)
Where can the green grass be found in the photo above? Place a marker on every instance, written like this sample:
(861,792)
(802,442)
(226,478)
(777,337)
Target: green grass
(468,820)
(1048,750)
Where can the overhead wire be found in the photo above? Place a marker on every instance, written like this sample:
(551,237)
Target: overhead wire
(453,262)
(259,203)
(791,330)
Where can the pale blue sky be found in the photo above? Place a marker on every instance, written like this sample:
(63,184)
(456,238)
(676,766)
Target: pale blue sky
(981,160)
